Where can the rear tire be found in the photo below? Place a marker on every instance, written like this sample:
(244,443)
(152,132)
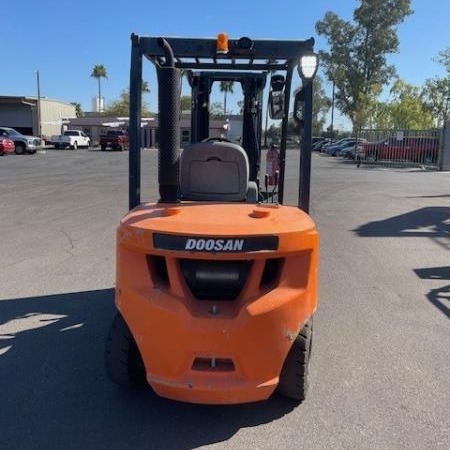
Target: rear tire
(75,145)
(103,148)
(123,362)
(294,374)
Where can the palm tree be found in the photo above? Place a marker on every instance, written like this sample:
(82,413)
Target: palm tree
(99,72)
(225,87)
(145,87)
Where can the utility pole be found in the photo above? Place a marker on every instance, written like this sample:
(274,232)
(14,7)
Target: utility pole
(39,104)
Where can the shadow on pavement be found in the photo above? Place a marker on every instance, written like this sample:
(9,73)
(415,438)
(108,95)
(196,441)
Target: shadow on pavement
(434,273)
(55,394)
(431,222)
(439,297)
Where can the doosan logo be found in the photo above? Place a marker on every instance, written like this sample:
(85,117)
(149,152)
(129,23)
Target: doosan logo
(215,245)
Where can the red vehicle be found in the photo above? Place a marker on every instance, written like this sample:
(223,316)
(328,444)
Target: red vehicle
(419,149)
(115,139)
(6,145)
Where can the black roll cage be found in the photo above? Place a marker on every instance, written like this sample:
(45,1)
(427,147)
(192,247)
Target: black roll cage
(201,54)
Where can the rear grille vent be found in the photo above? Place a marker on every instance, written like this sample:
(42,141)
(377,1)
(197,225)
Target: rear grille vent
(157,267)
(271,273)
(215,280)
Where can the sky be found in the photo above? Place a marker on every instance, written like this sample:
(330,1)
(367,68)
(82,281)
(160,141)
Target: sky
(65,40)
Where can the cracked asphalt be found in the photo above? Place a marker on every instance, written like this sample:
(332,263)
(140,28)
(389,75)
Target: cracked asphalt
(380,375)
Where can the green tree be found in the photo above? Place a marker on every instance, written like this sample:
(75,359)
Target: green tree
(185,103)
(78,111)
(121,106)
(356,59)
(321,106)
(407,109)
(225,87)
(99,72)
(216,110)
(444,59)
(434,94)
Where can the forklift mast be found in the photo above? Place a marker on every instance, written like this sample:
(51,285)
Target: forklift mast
(243,60)
(252,85)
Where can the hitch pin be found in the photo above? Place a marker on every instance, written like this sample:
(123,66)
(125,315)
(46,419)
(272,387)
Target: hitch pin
(213,362)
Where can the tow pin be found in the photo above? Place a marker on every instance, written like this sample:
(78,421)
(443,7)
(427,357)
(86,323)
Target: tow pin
(214,310)
(213,362)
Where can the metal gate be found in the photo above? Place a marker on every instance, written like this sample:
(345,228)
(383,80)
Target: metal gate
(406,148)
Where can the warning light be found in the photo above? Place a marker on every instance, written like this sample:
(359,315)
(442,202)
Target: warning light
(222,43)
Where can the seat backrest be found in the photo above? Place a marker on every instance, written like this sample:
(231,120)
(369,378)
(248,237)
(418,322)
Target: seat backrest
(214,171)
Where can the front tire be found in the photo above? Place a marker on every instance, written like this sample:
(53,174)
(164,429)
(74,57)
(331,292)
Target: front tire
(75,145)
(294,374)
(20,149)
(123,362)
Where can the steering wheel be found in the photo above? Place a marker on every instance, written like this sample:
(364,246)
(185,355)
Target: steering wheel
(218,139)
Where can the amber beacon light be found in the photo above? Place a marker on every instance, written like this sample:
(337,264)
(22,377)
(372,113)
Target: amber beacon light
(222,43)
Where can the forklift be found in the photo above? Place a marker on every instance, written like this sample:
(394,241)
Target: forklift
(217,280)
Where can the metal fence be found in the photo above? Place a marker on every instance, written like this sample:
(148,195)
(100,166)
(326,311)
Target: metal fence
(400,148)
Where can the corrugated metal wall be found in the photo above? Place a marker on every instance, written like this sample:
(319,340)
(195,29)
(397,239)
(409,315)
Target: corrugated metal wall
(52,113)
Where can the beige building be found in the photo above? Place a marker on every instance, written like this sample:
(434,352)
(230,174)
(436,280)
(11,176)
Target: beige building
(22,114)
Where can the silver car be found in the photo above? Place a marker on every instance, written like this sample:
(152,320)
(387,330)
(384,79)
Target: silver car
(24,144)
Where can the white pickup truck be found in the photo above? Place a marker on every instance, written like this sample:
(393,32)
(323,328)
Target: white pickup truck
(72,139)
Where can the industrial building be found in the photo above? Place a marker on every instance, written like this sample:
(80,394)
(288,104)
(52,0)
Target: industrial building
(38,117)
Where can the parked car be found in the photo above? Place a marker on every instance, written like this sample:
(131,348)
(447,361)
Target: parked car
(338,142)
(347,151)
(347,147)
(23,144)
(114,139)
(6,146)
(71,139)
(422,149)
(317,146)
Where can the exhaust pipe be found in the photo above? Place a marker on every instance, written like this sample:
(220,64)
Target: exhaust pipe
(169,126)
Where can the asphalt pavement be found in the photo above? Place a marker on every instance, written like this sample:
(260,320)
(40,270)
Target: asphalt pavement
(380,373)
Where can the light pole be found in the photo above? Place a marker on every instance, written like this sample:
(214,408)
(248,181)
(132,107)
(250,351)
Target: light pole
(444,139)
(39,104)
(332,112)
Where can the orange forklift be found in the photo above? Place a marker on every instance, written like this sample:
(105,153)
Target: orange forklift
(217,280)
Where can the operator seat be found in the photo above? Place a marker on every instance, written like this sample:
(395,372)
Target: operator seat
(216,171)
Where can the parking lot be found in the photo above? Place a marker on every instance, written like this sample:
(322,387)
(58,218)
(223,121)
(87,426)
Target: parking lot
(380,374)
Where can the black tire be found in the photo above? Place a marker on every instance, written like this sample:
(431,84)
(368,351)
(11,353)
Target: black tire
(123,362)
(120,147)
(294,374)
(103,148)
(2,152)
(20,149)
(56,146)
(75,145)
